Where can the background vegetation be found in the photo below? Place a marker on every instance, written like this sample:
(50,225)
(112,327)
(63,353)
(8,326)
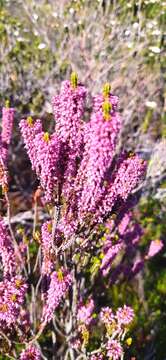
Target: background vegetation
(117,41)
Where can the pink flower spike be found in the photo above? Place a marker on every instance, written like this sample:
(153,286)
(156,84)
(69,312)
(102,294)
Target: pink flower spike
(154,248)
(7,124)
(6,250)
(60,283)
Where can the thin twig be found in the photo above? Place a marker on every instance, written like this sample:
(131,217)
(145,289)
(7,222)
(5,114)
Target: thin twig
(12,234)
(35,218)
(37,259)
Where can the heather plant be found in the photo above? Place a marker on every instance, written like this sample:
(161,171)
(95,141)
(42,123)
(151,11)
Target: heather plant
(57,269)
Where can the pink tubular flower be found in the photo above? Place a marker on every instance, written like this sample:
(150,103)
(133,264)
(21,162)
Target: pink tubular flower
(98,156)
(30,353)
(106,315)
(76,343)
(29,129)
(24,321)
(46,244)
(47,162)
(125,315)
(44,153)
(85,312)
(7,124)
(6,133)
(128,173)
(109,257)
(59,285)
(154,248)
(97,356)
(3,171)
(6,251)
(68,109)
(114,349)
(122,227)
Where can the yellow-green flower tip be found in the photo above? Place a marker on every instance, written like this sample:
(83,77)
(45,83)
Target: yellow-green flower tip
(60,275)
(36,235)
(30,121)
(106,107)
(49,228)
(7,104)
(74,80)
(129,341)
(106,90)
(20,230)
(131,154)
(46,137)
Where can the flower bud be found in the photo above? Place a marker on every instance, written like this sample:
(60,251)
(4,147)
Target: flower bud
(106,107)
(74,80)
(106,90)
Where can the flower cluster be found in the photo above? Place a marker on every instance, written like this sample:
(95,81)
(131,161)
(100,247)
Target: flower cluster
(46,243)
(85,312)
(30,353)
(87,186)
(80,156)
(12,295)
(106,315)
(69,105)
(59,285)
(6,251)
(124,315)
(99,152)
(3,173)
(97,356)
(43,151)
(109,257)
(6,133)
(114,349)
(5,138)
(116,326)
(29,130)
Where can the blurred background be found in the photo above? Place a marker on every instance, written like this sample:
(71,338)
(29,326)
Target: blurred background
(121,42)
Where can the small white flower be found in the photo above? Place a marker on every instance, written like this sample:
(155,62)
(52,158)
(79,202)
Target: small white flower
(130,45)
(135,25)
(71,11)
(36,32)
(55,14)
(35,16)
(112,22)
(48,107)
(156,32)
(155,49)
(16,32)
(41,46)
(151,104)
(20,39)
(127,32)
(153,1)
